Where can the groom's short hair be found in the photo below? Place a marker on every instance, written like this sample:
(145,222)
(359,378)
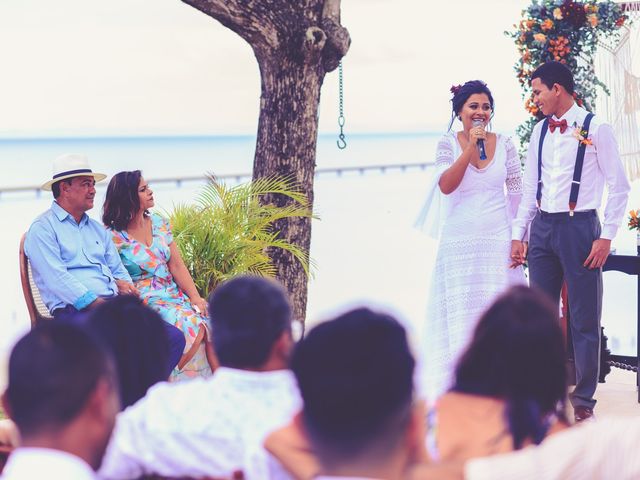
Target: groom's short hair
(355,375)
(555,72)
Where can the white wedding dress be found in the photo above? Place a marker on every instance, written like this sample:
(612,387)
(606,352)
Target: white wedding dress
(472,263)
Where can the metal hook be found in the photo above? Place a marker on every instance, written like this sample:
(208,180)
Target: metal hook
(341,142)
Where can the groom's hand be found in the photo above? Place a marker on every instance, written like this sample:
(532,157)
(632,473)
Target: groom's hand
(518,253)
(599,253)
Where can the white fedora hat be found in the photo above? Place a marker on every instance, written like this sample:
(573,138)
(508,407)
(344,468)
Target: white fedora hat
(71,165)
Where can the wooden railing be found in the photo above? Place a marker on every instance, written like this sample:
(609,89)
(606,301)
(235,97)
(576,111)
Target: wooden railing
(239,177)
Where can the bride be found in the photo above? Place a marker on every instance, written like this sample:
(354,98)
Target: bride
(470,205)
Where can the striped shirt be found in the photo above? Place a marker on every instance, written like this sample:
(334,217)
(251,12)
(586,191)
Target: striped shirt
(599,449)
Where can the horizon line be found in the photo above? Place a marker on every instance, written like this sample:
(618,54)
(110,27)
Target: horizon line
(232,136)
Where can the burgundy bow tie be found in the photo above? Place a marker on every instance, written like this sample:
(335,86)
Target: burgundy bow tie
(561,124)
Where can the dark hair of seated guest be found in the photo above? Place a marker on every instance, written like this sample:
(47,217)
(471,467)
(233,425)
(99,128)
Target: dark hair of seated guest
(355,375)
(122,201)
(248,315)
(138,341)
(53,370)
(517,354)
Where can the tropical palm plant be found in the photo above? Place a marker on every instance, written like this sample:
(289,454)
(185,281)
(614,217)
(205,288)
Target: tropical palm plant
(228,231)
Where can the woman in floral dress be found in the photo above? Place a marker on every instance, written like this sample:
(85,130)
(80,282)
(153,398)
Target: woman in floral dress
(148,252)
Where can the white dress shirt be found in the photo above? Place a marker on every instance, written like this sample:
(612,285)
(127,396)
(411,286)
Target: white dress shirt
(200,428)
(600,449)
(602,165)
(39,463)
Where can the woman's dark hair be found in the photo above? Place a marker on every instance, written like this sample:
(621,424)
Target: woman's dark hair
(461,94)
(122,201)
(138,340)
(517,354)
(555,72)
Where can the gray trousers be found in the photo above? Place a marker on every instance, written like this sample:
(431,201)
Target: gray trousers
(558,246)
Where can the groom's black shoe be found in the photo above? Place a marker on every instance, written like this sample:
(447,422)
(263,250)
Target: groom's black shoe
(580,414)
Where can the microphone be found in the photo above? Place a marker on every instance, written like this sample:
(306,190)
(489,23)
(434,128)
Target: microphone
(483,155)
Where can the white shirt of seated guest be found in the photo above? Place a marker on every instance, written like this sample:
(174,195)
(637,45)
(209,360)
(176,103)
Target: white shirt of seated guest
(200,428)
(344,478)
(603,449)
(40,463)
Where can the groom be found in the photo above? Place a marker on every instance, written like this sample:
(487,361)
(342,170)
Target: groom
(571,156)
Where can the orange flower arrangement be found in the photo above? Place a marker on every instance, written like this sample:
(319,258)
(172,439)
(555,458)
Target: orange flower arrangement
(540,37)
(633,220)
(559,48)
(566,31)
(578,99)
(531,107)
(546,25)
(591,8)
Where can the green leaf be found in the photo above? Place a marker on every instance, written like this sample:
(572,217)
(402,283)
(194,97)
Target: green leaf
(228,230)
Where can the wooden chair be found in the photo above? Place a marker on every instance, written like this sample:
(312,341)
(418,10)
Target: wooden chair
(38,312)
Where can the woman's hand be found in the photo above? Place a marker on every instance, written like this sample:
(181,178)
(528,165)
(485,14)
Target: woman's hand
(477,133)
(126,288)
(519,252)
(200,305)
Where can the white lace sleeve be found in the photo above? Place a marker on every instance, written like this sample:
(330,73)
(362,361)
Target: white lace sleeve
(436,205)
(444,155)
(514,177)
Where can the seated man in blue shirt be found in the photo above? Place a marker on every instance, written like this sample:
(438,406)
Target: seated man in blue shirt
(75,263)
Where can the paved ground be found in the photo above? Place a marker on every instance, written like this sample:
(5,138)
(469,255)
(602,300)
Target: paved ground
(618,396)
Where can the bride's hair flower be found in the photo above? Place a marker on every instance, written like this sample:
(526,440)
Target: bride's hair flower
(455,89)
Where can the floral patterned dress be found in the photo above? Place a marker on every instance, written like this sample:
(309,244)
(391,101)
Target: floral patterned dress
(149,269)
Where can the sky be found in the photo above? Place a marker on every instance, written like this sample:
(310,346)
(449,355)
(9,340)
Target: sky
(160,67)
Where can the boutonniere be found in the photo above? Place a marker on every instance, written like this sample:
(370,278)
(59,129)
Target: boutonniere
(581,135)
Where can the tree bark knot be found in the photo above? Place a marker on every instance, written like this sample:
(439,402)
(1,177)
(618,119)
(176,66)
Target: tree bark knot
(314,41)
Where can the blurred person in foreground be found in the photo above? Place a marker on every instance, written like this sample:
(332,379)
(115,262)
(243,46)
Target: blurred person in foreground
(604,449)
(138,341)
(509,391)
(510,387)
(355,375)
(204,427)
(360,418)
(62,395)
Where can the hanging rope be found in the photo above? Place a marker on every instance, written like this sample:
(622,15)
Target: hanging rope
(341,142)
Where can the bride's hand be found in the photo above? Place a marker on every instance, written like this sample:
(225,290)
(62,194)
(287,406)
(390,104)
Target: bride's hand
(475,134)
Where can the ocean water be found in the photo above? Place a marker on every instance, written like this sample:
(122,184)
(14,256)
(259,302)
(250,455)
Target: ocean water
(364,244)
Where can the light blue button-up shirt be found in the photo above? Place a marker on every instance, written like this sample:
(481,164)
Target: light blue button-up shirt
(73,263)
